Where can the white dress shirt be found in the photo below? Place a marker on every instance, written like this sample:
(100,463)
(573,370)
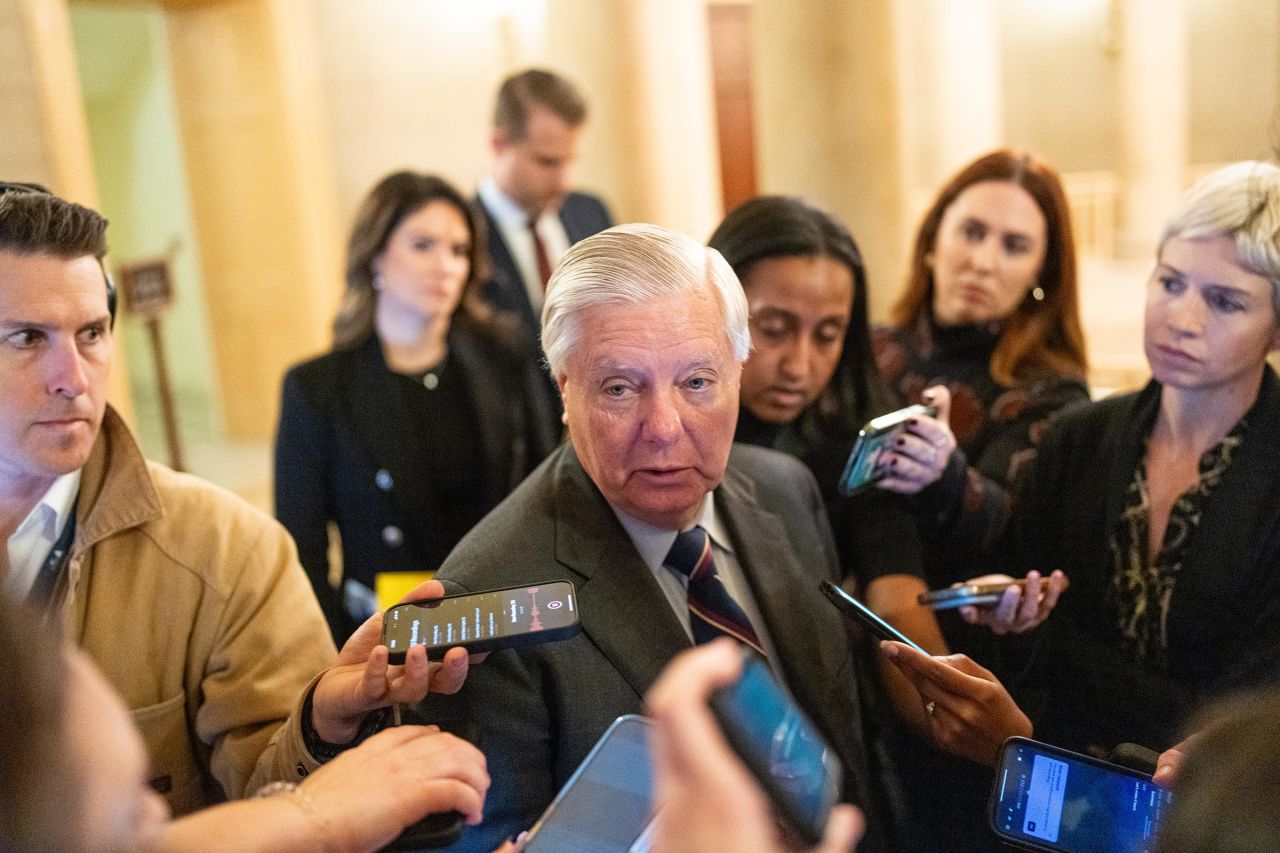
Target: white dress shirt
(654,543)
(513,225)
(31,543)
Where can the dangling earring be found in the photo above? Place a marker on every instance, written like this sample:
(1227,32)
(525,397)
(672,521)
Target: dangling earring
(1037,293)
(377,281)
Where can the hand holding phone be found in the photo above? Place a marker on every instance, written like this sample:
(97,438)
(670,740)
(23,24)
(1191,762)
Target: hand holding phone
(862,469)
(970,713)
(857,612)
(1046,798)
(780,746)
(483,621)
(920,454)
(979,592)
(1001,602)
(707,798)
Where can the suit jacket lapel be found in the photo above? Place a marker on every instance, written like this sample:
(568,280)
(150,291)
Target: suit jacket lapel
(504,272)
(788,598)
(624,612)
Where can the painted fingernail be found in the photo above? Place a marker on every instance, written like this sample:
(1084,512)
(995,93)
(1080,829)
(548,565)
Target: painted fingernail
(893,463)
(900,442)
(911,421)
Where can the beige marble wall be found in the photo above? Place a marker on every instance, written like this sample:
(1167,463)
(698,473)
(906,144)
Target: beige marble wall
(829,121)
(44,138)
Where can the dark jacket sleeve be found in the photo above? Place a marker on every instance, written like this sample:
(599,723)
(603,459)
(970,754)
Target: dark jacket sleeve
(302,497)
(972,504)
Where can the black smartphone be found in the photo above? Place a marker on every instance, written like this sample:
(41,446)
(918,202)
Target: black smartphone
(607,804)
(780,746)
(1046,798)
(978,594)
(858,612)
(860,471)
(483,621)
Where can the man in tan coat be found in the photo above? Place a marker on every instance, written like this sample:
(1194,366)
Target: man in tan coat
(191,601)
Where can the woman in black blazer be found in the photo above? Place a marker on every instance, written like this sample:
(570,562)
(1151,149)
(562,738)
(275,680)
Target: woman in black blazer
(425,414)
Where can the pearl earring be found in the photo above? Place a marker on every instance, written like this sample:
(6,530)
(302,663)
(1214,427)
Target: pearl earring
(1037,293)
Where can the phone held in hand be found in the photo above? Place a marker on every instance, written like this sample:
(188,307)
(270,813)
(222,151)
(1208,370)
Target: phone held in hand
(780,746)
(1046,798)
(483,621)
(855,611)
(607,804)
(860,471)
(976,594)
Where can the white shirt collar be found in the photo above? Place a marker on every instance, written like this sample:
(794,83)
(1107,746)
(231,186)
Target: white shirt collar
(653,543)
(31,542)
(500,205)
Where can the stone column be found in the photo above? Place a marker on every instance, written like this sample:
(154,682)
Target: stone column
(248,86)
(952,99)
(829,122)
(651,141)
(45,137)
(1154,118)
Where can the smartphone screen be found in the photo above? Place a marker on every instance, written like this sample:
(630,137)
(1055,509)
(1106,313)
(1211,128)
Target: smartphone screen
(607,804)
(1052,799)
(780,746)
(483,620)
(860,470)
(858,612)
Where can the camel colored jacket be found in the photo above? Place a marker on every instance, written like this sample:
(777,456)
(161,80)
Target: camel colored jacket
(194,605)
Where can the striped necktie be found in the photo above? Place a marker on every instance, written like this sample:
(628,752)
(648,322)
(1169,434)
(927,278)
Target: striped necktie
(712,611)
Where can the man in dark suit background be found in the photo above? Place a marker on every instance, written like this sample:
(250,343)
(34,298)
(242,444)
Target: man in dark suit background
(645,331)
(532,216)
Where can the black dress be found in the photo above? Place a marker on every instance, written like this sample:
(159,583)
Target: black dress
(402,466)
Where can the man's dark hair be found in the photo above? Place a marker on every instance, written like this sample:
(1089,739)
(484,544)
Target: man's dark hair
(536,86)
(33,221)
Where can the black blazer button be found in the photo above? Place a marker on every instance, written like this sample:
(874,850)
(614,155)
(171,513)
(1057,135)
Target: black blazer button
(383,479)
(392,536)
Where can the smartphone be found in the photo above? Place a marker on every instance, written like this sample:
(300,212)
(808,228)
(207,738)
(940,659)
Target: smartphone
(607,804)
(780,746)
(483,621)
(1046,798)
(860,471)
(858,612)
(979,594)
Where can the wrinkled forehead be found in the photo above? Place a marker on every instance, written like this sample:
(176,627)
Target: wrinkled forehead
(689,323)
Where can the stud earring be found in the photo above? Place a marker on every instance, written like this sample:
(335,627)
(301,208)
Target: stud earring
(377,281)
(1037,293)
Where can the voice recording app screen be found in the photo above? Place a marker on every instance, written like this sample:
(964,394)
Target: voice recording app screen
(1072,805)
(502,613)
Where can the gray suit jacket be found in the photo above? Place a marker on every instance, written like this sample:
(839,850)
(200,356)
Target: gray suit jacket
(541,709)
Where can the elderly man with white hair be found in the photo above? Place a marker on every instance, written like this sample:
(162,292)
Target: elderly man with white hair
(672,534)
